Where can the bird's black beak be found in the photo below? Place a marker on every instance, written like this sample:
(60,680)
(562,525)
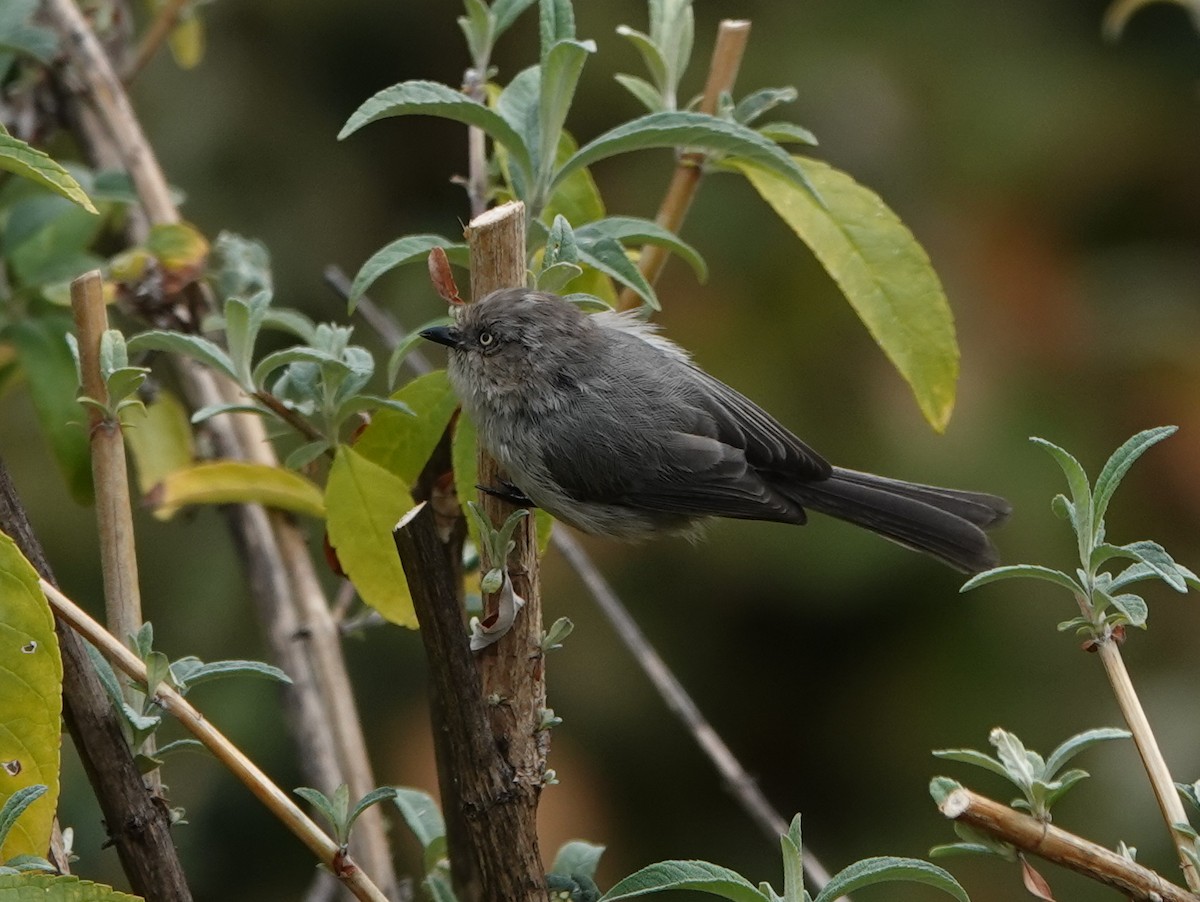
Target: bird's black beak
(443,335)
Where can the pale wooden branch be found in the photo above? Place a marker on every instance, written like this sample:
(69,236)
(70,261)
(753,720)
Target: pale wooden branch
(274,798)
(512,669)
(1152,758)
(137,824)
(732,35)
(303,637)
(1060,847)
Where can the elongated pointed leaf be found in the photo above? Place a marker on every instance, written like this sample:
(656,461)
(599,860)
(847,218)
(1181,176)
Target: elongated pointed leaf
(374,797)
(890,870)
(972,756)
(787,133)
(750,107)
(882,270)
(608,256)
(364,501)
(422,815)
(1012,571)
(193,346)
(695,131)
(430,98)
(697,876)
(237,482)
(278,359)
(28,162)
(644,231)
(793,869)
(30,703)
(506,12)
(215,670)
(410,249)
(1081,491)
(644,92)
(556,23)
(559,77)
(1078,743)
(651,56)
(1119,463)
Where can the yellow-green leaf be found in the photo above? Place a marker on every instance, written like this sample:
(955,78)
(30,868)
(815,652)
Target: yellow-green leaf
(883,271)
(236,482)
(177,245)
(160,437)
(364,502)
(20,158)
(30,701)
(402,443)
(48,888)
(187,39)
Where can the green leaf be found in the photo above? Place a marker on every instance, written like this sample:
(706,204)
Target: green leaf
(410,249)
(553,278)
(325,806)
(374,797)
(644,92)
(652,57)
(422,815)
(672,28)
(406,345)
(881,269)
(972,756)
(644,231)
(201,672)
(696,132)
(438,888)
(19,34)
(21,159)
(1119,463)
(1014,571)
(1140,571)
(556,22)
(793,869)
(752,106)
(479,28)
(558,79)
(200,349)
(787,133)
(46,359)
(15,805)
(286,357)
(47,888)
(236,482)
(364,501)
(890,870)
(402,444)
(1156,558)
(1133,607)
(30,703)
(560,245)
(609,257)
(697,876)
(577,857)
(240,267)
(1081,492)
(577,198)
(428,98)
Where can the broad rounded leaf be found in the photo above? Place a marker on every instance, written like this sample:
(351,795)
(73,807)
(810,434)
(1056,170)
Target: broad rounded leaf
(422,815)
(364,501)
(890,870)
(431,98)
(30,701)
(47,888)
(402,443)
(409,249)
(882,270)
(160,437)
(21,159)
(697,132)
(236,482)
(577,857)
(697,876)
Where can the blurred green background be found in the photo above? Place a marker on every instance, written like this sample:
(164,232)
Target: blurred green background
(1053,179)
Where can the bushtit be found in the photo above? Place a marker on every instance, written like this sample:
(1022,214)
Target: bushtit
(611,428)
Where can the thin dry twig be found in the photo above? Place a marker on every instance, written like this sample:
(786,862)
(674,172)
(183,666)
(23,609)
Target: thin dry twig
(1152,757)
(274,798)
(732,35)
(1058,846)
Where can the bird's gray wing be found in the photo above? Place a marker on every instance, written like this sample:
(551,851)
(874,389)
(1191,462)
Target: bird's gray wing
(690,446)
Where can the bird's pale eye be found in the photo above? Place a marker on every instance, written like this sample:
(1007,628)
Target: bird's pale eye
(486,339)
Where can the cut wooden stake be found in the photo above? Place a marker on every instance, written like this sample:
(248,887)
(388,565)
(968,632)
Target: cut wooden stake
(1060,847)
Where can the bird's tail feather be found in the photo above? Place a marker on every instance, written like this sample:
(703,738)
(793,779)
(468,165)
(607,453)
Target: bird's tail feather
(946,523)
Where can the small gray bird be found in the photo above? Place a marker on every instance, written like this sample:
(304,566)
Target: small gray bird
(611,428)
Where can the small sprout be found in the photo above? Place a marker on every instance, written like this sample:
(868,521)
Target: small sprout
(547,719)
(559,630)
(1129,853)
(550,777)
(492,581)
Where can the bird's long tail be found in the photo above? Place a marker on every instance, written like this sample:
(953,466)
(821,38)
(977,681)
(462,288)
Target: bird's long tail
(946,523)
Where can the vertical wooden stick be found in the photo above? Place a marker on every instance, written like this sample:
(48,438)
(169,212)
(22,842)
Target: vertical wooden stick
(732,36)
(511,670)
